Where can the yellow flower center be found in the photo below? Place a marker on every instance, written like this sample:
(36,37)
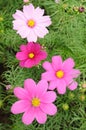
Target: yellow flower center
(31,23)
(31,55)
(60,74)
(35,102)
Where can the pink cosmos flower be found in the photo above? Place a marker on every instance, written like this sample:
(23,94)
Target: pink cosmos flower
(60,74)
(34,101)
(30,54)
(31,23)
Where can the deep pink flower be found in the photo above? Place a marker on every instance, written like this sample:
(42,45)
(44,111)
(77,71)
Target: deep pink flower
(31,54)
(60,74)
(31,23)
(34,101)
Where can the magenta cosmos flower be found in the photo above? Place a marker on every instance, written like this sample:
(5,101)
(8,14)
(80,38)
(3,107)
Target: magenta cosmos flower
(60,74)
(34,101)
(30,55)
(31,23)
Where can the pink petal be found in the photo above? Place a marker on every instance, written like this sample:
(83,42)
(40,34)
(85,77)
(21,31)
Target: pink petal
(29,63)
(33,47)
(21,64)
(28,11)
(68,64)
(41,55)
(48,97)
(74,73)
(61,87)
(23,47)
(30,86)
(41,87)
(21,55)
(21,93)
(40,116)
(57,62)
(17,24)
(73,85)
(47,66)
(20,106)
(52,85)
(49,109)
(32,37)
(48,76)
(19,15)
(28,116)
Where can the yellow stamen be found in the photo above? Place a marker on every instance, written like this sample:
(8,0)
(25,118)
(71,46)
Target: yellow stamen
(31,55)
(35,102)
(31,23)
(60,74)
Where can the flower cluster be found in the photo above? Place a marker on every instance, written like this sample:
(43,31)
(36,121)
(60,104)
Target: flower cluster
(36,100)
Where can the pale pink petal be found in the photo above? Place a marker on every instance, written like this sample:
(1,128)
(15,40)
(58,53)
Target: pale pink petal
(68,79)
(21,55)
(20,106)
(41,117)
(53,85)
(73,85)
(21,93)
(28,11)
(19,15)
(24,31)
(74,73)
(49,109)
(48,97)
(30,86)
(45,21)
(61,88)
(49,76)
(38,13)
(23,47)
(28,116)
(41,87)
(40,32)
(18,24)
(47,66)
(57,62)
(68,64)
(32,37)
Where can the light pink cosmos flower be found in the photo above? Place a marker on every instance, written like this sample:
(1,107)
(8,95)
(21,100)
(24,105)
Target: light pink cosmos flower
(31,23)
(60,74)
(34,101)
(30,54)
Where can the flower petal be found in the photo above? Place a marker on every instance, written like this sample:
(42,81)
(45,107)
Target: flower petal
(68,64)
(23,47)
(30,86)
(57,62)
(28,116)
(21,55)
(29,63)
(52,85)
(28,11)
(21,93)
(48,97)
(41,87)
(73,85)
(19,15)
(74,73)
(49,109)
(32,37)
(49,75)
(41,117)
(21,64)
(61,88)
(20,106)
(47,66)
